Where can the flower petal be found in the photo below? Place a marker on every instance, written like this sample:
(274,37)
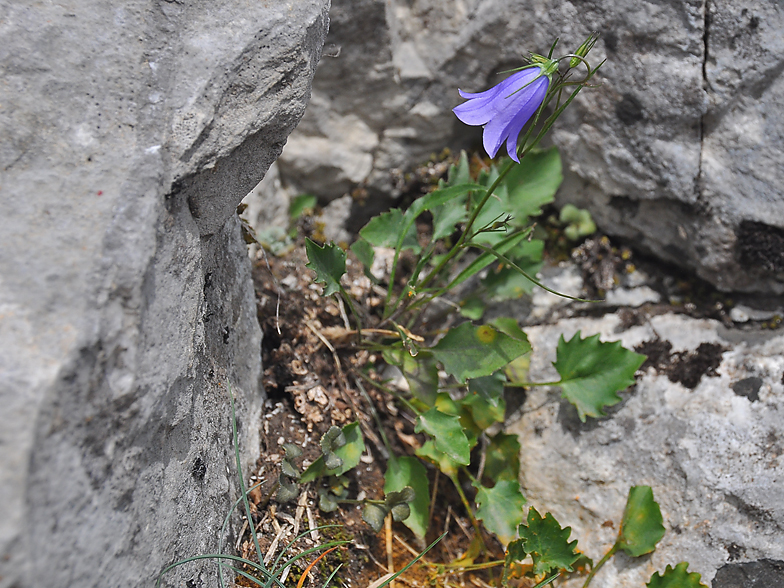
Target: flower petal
(481,107)
(512,114)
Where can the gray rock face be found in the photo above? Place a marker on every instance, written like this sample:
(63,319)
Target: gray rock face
(131,131)
(679,150)
(702,427)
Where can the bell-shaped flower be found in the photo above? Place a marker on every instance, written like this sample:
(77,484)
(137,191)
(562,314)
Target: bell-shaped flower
(506,107)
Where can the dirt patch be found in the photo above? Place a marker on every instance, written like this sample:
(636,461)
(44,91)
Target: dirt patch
(684,367)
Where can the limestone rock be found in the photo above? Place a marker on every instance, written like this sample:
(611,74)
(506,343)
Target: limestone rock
(702,427)
(131,131)
(679,150)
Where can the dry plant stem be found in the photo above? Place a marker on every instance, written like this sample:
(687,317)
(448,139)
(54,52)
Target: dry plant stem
(313,563)
(433,497)
(390,557)
(599,565)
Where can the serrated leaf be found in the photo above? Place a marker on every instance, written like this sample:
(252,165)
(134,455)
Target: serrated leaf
(329,263)
(374,515)
(500,508)
(677,577)
(447,433)
(547,543)
(533,184)
(641,527)
(384,231)
(467,351)
(441,460)
(592,372)
(502,458)
(409,471)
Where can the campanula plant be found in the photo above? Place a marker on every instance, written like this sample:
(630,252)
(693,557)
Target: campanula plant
(456,377)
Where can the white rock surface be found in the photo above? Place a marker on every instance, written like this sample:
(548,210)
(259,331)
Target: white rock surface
(712,454)
(131,131)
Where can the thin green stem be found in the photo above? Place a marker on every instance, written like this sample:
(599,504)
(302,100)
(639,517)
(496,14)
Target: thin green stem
(469,510)
(467,230)
(599,565)
(530,384)
(389,391)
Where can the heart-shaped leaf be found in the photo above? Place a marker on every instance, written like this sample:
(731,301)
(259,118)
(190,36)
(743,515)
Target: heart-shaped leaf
(501,508)
(447,433)
(409,471)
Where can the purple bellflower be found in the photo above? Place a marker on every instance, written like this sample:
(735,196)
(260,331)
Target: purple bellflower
(506,107)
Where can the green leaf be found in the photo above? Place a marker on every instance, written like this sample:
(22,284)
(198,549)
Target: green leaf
(287,490)
(579,222)
(484,413)
(501,508)
(533,184)
(329,263)
(641,527)
(421,373)
(472,308)
(409,471)
(327,502)
(472,352)
(547,543)
(299,204)
(384,230)
(348,454)
(677,577)
(441,460)
(447,433)
(491,388)
(365,254)
(592,372)
(506,283)
(374,515)
(460,172)
(502,458)
(332,440)
(398,503)
(485,259)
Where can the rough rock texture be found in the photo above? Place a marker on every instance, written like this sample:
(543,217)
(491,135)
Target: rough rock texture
(702,427)
(679,151)
(131,131)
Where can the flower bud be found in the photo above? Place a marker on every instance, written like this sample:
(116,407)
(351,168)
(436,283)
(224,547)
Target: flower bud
(583,50)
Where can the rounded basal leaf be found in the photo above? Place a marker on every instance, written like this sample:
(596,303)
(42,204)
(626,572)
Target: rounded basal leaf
(641,527)
(292,451)
(289,470)
(350,451)
(332,461)
(447,433)
(332,439)
(287,490)
(327,501)
(677,577)
(593,372)
(400,512)
(374,515)
(473,352)
(409,471)
(441,460)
